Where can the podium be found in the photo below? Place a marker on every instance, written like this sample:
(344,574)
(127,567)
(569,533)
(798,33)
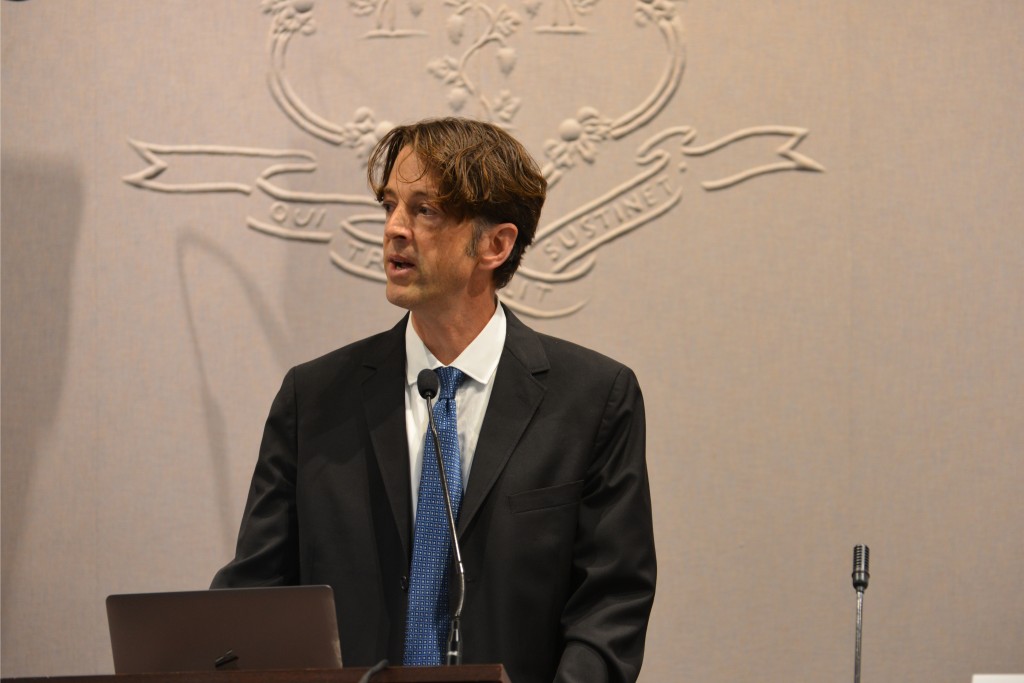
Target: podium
(467,673)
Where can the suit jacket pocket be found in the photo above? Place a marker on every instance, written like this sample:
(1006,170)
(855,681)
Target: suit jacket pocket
(549,497)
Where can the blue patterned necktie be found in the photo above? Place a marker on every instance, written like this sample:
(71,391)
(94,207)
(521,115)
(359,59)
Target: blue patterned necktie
(426,628)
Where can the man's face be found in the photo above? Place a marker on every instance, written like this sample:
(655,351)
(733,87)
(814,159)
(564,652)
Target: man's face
(428,257)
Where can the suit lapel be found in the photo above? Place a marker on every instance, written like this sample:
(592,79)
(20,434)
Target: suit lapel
(384,403)
(515,398)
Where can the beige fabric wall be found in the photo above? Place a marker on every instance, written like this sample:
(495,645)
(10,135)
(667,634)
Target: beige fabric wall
(828,335)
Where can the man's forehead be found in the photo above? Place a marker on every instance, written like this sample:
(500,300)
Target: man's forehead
(410,175)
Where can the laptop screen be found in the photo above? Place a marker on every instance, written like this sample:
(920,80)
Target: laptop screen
(286,627)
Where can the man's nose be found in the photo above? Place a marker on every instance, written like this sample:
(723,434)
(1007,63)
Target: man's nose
(396,225)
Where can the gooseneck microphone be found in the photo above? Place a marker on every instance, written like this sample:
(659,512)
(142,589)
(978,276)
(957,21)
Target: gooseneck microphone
(860,577)
(428,384)
(861,555)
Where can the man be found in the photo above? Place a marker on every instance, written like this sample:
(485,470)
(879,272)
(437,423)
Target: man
(545,457)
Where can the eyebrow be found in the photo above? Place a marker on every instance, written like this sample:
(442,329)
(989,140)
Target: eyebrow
(389,192)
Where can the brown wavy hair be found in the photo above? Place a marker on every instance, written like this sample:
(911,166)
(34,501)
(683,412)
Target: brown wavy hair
(482,173)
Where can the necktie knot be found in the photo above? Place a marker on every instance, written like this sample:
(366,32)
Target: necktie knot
(451,377)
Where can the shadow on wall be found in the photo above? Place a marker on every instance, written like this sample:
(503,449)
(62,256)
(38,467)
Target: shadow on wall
(194,245)
(41,216)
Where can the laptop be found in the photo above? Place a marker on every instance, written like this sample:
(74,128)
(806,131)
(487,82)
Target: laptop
(287,627)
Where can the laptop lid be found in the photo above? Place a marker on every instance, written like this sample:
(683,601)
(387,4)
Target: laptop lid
(286,627)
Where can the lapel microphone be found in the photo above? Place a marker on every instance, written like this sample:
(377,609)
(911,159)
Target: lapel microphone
(428,385)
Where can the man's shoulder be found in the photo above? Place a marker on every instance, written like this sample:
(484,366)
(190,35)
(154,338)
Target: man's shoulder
(368,352)
(577,377)
(563,350)
(541,351)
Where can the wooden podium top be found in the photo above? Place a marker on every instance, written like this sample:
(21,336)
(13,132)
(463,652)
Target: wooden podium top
(467,673)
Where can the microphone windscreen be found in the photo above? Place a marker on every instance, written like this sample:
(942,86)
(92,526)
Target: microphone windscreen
(428,383)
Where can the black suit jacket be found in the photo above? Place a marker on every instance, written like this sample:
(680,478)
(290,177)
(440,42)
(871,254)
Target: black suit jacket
(555,526)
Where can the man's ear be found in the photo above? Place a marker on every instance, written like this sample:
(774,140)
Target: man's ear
(495,245)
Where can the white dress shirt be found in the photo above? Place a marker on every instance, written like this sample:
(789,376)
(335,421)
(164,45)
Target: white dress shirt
(478,362)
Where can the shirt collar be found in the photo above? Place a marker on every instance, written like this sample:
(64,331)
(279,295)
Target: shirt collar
(478,361)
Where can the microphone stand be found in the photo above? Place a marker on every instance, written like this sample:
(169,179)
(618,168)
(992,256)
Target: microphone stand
(860,583)
(860,625)
(454,655)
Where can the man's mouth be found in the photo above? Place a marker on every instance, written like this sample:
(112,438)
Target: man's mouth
(399,263)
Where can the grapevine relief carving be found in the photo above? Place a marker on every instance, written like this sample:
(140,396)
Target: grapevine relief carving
(483,34)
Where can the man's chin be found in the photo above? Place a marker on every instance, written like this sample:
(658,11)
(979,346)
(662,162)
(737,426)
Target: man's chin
(398,296)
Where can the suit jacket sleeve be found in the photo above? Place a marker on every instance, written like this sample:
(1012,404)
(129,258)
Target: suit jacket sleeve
(614,570)
(267,552)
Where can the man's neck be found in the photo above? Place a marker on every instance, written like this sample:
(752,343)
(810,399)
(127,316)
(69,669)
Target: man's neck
(446,336)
